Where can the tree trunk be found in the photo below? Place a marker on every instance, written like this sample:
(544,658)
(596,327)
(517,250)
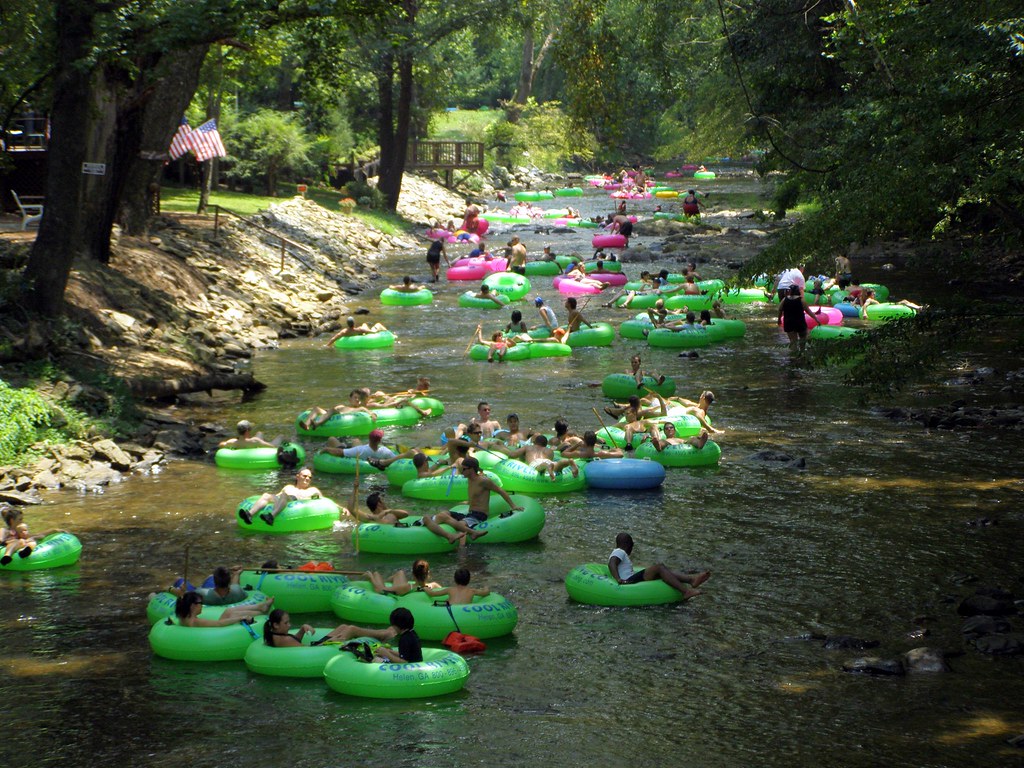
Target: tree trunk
(525,66)
(80,120)
(163,99)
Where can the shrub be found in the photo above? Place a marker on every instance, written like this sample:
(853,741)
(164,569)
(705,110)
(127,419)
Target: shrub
(23,413)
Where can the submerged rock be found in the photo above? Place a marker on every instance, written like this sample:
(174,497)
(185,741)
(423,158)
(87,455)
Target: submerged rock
(872,665)
(925,660)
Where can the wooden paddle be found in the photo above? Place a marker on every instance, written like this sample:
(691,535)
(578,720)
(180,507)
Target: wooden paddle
(355,502)
(184,573)
(603,425)
(473,340)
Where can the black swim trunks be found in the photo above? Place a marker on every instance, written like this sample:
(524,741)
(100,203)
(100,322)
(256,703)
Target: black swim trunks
(472,518)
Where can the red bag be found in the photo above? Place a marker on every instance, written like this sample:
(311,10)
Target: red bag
(461,643)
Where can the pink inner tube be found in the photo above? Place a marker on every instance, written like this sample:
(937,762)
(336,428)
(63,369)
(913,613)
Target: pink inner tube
(672,174)
(612,185)
(574,287)
(467,272)
(434,234)
(614,278)
(608,241)
(827,316)
(689,167)
(624,195)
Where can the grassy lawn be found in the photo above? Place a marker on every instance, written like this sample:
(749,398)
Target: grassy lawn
(182,200)
(463,124)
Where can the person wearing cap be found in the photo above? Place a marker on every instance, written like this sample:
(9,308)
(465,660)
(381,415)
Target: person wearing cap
(517,256)
(300,490)
(351,329)
(371,451)
(547,314)
(246,439)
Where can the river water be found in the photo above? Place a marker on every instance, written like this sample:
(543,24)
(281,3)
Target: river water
(866,541)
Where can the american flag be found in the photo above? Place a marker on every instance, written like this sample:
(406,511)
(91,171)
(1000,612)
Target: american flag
(205,141)
(179,144)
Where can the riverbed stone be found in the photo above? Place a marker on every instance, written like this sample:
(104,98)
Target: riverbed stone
(985,605)
(848,642)
(1008,644)
(111,452)
(925,660)
(874,665)
(976,626)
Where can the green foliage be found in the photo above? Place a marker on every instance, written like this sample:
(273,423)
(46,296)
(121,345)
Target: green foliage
(543,137)
(897,353)
(270,145)
(23,413)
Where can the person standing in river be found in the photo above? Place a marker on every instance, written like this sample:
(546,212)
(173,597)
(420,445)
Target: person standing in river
(434,254)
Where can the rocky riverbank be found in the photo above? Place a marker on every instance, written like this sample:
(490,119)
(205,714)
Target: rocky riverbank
(184,310)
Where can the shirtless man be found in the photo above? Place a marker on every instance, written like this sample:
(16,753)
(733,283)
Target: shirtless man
(298,491)
(460,593)
(638,375)
(575,317)
(480,489)
(488,425)
(565,438)
(671,438)
(246,439)
(351,329)
(621,569)
(378,511)
(539,456)
(589,449)
(514,435)
(637,417)
(407,286)
(517,256)
(485,293)
(699,410)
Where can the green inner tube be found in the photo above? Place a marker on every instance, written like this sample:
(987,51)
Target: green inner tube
(486,617)
(592,584)
(161,605)
(54,551)
(431,404)
(393,298)
(441,672)
(742,296)
(598,335)
(729,328)
(519,477)
(442,487)
(827,332)
(378,340)
(663,337)
(305,661)
(509,284)
(514,354)
(173,641)
(295,591)
(692,303)
(888,311)
(342,465)
(542,269)
(256,458)
(704,175)
(506,527)
(338,425)
(619,386)
(684,455)
(569,192)
(607,266)
(297,516)
(469,300)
